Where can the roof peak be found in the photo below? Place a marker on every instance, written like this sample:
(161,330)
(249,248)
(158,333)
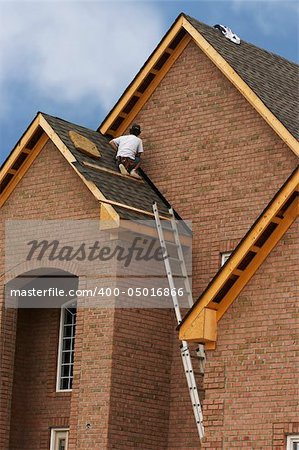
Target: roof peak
(191,18)
(268,81)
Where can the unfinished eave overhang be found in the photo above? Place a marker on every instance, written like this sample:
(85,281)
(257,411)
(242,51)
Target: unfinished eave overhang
(158,65)
(147,80)
(25,153)
(200,323)
(27,150)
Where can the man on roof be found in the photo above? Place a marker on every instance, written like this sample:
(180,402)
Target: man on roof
(129,148)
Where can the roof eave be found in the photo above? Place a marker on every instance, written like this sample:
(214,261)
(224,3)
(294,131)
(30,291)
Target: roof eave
(254,248)
(182,22)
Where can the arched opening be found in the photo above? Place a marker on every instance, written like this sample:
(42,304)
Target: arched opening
(44,355)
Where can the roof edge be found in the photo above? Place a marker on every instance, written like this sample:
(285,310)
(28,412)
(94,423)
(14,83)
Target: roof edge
(182,23)
(249,254)
(26,151)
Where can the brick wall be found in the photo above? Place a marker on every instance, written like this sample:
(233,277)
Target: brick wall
(142,354)
(219,164)
(49,190)
(35,404)
(254,370)
(120,396)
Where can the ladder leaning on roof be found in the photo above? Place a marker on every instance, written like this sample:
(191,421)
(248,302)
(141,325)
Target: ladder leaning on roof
(185,352)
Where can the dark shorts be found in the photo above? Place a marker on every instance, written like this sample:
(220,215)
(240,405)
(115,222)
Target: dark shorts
(128,162)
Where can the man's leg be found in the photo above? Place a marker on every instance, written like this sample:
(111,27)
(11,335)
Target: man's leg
(136,165)
(123,165)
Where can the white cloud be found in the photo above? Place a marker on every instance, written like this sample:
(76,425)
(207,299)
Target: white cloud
(72,51)
(267,15)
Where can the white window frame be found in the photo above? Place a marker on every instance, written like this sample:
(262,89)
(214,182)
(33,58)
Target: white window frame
(224,257)
(54,434)
(291,440)
(58,371)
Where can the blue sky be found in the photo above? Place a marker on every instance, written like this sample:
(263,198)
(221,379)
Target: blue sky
(74,59)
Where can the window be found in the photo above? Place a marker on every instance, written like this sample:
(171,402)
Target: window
(224,257)
(59,439)
(66,349)
(293,442)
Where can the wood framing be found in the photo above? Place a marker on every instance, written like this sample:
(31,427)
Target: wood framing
(204,326)
(23,155)
(143,227)
(9,177)
(266,232)
(111,172)
(153,68)
(108,220)
(242,87)
(29,147)
(133,209)
(159,75)
(129,105)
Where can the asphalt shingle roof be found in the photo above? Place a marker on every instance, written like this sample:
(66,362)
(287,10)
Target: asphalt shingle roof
(274,79)
(115,188)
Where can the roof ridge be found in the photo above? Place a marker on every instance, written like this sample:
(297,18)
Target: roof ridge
(243,40)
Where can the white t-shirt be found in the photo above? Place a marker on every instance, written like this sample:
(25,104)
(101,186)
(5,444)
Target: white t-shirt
(128,146)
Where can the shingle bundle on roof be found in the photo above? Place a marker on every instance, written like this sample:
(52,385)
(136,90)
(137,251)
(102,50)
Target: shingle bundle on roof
(124,190)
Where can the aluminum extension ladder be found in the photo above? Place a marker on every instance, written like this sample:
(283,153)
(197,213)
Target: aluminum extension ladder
(185,352)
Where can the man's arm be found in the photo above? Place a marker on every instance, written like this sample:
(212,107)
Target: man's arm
(113,145)
(140,148)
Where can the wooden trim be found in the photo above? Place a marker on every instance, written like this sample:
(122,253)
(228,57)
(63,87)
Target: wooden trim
(141,76)
(154,84)
(258,260)
(141,228)
(69,157)
(245,275)
(242,87)
(131,208)
(50,133)
(19,148)
(222,65)
(203,329)
(254,248)
(237,272)
(23,169)
(108,219)
(249,241)
(111,172)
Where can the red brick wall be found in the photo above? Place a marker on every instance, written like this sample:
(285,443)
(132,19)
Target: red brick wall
(120,396)
(219,164)
(141,370)
(253,374)
(90,403)
(49,190)
(35,404)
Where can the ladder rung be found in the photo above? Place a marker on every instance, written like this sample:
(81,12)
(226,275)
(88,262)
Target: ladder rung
(175,259)
(179,275)
(185,351)
(171,243)
(161,213)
